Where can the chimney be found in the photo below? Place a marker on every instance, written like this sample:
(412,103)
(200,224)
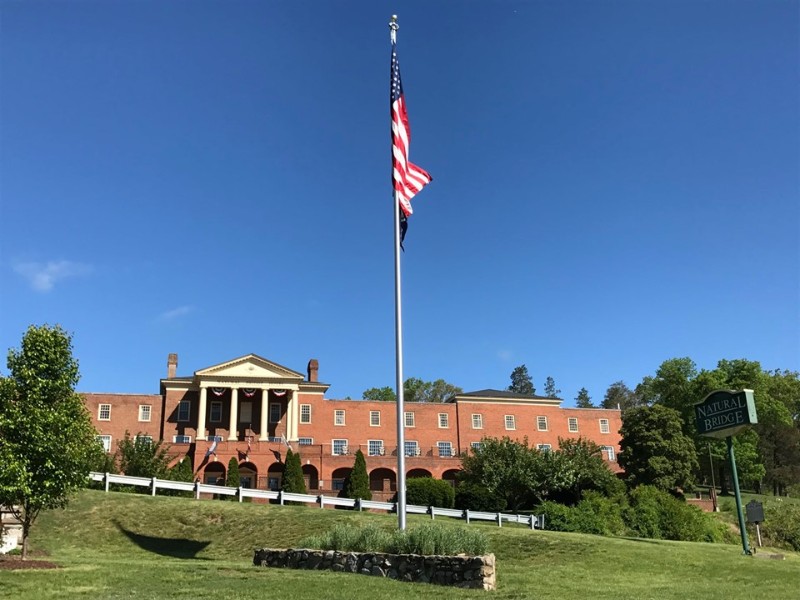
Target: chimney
(172,365)
(313,370)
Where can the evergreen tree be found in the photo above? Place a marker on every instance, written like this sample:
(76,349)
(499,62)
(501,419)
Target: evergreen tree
(583,400)
(521,382)
(232,479)
(550,388)
(293,481)
(357,484)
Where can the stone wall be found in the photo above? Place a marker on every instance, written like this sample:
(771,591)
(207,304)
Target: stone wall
(477,572)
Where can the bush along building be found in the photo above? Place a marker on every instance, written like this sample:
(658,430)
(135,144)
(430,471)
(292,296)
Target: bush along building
(254,410)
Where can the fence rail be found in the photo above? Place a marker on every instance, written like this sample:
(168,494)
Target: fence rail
(107,479)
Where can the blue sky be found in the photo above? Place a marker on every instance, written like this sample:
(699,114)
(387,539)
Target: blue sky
(615,184)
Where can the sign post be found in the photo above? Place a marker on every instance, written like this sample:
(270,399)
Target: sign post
(722,414)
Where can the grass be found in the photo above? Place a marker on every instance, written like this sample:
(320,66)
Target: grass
(131,546)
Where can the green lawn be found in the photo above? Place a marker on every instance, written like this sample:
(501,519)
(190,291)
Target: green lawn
(130,546)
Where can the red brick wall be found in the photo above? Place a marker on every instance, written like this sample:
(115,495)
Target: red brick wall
(125,415)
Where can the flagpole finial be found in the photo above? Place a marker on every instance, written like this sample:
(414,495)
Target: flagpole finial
(393,27)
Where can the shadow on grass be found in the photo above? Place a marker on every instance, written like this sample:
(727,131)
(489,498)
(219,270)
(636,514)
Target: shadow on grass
(174,547)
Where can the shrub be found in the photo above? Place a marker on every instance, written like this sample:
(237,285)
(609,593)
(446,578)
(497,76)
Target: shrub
(426,491)
(557,517)
(180,471)
(293,480)
(643,515)
(599,515)
(782,524)
(357,484)
(471,496)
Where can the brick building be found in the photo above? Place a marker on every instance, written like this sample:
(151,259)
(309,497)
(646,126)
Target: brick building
(253,409)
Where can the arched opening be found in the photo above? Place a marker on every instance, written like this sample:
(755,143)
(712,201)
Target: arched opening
(248,475)
(451,476)
(338,478)
(418,473)
(382,480)
(275,476)
(214,474)
(311,476)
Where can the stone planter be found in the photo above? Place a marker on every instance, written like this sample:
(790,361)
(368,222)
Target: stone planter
(475,572)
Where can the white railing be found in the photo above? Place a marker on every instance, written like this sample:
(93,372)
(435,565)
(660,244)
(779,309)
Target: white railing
(532,521)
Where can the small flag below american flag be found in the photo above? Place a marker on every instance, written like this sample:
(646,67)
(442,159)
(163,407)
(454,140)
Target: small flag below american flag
(408,178)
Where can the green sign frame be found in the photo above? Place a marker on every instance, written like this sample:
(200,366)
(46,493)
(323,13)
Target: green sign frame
(725,412)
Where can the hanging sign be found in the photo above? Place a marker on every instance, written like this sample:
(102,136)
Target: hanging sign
(725,412)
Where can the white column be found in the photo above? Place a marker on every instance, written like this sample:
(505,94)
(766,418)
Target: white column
(201,415)
(264,434)
(292,417)
(234,421)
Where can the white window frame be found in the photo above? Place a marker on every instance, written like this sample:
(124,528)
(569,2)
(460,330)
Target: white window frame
(342,444)
(477,421)
(305,441)
(611,453)
(544,447)
(444,421)
(572,424)
(339,417)
(184,404)
(272,412)
(186,439)
(145,413)
(411,448)
(104,409)
(305,414)
(105,440)
(445,449)
(409,418)
(541,419)
(214,404)
(375,448)
(605,427)
(511,422)
(144,436)
(215,438)
(374,418)
(475,445)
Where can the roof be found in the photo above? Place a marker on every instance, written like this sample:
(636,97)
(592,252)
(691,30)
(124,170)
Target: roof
(490,395)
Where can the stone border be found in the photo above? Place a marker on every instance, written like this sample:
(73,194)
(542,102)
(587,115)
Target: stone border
(474,572)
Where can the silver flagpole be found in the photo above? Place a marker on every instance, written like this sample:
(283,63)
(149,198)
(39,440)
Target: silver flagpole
(398,327)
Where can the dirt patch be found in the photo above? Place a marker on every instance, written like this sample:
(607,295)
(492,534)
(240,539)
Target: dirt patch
(15,562)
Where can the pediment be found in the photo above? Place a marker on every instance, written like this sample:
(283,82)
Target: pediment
(251,366)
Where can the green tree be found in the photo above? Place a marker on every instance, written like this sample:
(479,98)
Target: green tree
(181,471)
(293,480)
(550,390)
(521,381)
(582,469)
(47,441)
(654,450)
(583,400)
(233,478)
(384,394)
(619,395)
(142,456)
(357,484)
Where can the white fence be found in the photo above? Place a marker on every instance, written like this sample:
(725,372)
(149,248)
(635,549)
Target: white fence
(153,484)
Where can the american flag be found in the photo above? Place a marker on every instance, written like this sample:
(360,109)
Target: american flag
(408,178)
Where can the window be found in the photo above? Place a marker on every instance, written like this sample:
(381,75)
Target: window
(182,439)
(338,417)
(610,453)
(411,448)
(409,419)
(246,412)
(339,447)
(305,413)
(146,439)
(444,420)
(573,424)
(274,412)
(604,426)
(305,441)
(337,485)
(544,447)
(477,421)
(375,418)
(375,448)
(511,422)
(104,412)
(475,445)
(183,410)
(216,412)
(144,413)
(445,449)
(541,423)
(105,440)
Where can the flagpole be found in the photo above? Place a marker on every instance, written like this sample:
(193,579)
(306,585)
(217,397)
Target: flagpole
(398,330)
